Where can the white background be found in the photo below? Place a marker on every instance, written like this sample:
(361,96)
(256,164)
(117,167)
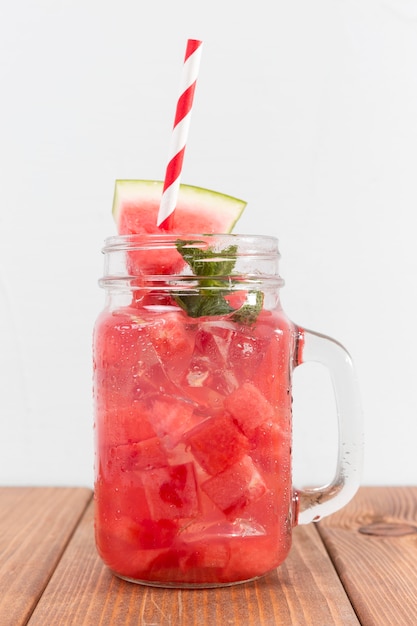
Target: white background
(306,109)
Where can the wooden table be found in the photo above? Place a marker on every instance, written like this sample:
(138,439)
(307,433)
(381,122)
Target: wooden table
(358,566)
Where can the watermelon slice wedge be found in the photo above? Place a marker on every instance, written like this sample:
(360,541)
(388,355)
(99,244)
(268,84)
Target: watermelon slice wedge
(198,210)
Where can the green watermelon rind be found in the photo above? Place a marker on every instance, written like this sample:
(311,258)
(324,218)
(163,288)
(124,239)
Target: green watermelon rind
(228,208)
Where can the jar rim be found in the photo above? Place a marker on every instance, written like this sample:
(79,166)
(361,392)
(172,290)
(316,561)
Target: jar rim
(264,243)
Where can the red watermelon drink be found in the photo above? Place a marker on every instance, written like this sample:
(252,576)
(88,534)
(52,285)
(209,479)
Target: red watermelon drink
(192,378)
(193,361)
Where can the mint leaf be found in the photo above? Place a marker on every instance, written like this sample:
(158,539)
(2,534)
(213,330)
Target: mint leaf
(209,299)
(248,313)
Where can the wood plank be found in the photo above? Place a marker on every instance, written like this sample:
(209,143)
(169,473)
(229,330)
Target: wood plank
(305,590)
(373,544)
(35,526)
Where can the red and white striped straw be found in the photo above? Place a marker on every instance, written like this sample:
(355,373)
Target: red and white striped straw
(179,134)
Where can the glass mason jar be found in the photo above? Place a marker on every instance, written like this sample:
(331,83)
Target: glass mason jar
(193,363)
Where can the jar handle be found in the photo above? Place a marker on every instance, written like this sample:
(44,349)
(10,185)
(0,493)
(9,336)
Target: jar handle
(314,503)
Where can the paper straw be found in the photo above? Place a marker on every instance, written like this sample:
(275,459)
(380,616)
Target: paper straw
(179,134)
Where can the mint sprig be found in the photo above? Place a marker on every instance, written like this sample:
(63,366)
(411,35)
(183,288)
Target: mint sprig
(214,269)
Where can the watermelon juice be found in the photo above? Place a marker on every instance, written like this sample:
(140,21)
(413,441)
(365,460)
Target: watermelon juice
(193,431)
(193,363)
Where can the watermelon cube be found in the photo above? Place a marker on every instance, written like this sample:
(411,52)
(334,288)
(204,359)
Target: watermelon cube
(171,492)
(138,455)
(156,533)
(271,448)
(126,423)
(254,556)
(217,443)
(120,498)
(235,487)
(189,563)
(249,407)
(128,549)
(207,554)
